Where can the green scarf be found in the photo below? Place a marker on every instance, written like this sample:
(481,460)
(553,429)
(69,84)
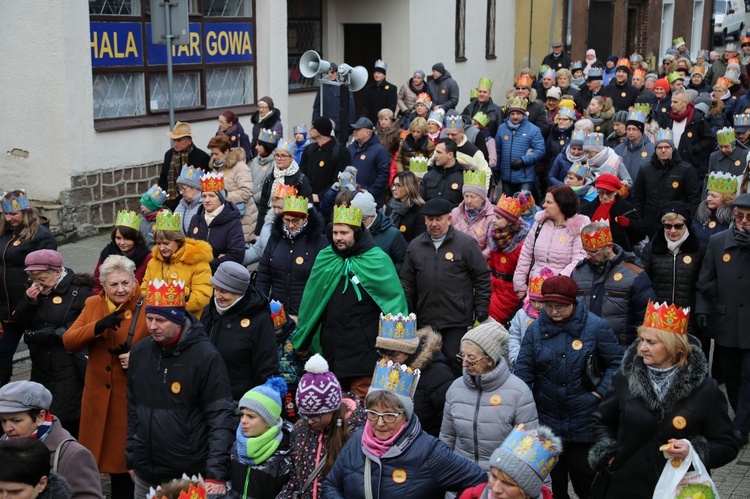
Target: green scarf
(374,273)
(255,450)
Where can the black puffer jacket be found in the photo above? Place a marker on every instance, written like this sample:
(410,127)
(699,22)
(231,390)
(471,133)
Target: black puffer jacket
(443,183)
(286,263)
(51,364)
(180,412)
(244,338)
(298,180)
(224,234)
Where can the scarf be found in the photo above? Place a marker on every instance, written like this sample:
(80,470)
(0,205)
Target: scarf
(503,238)
(175,167)
(512,125)
(224,310)
(687,114)
(278,177)
(472,214)
(674,246)
(292,235)
(529,308)
(252,451)
(741,237)
(661,379)
(572,157)
(42,431)
(602,212)
(219,163)
(398,211)
(376,446)
(209,217)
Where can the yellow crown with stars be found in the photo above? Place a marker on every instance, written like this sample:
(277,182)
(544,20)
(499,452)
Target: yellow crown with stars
(538,453)
(517,103)
(508,206)
(349,215)
(15,201)
(725,136)
(485,83)
(723,182)
(127,218)
(476,178)
(398,326)
(212,182)
(667,318)
(166,220)
(294,204)
(395,377)
(166,294)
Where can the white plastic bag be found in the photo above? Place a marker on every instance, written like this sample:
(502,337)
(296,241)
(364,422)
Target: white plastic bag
(676,482)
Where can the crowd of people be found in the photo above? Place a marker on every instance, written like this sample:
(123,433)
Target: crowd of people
(503,301)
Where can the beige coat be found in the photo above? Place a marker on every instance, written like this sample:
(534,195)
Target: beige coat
(238,182)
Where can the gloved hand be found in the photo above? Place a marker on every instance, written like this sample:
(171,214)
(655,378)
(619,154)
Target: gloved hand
(702,321)
(111,321)
(336,186)
(120,349)
(517,164)
(482,317)
(622,221)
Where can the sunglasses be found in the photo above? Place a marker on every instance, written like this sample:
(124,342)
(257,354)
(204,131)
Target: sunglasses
(673,226)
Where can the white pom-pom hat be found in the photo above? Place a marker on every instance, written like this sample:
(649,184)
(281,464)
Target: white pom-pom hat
(318,392)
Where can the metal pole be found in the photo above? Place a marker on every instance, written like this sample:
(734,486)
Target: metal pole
(552,25)
(170,82)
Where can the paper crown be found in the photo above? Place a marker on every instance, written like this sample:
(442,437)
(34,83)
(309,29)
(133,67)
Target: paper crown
(732,75)
(723,182)
(212,182)
(127,218)
(535,283)
(196,490)
(437,116)
(635,58)
(579,169)
(379,64)
(678,41)
(742,120)
(15,201)
(157,194)
(476,178)
(268,136)
(481,118)
(725,136)
(643,107)
(576,65)
(698,69)
(523,81)
(473,93)
(703,53)
(397,327)
(666,318)
(549,72)
(663,134)
(418,164)
(278,314)
(283,191)
(508,207)
(190,174)
(294,204)
(595,73)
(517,103)
(598,239)
(539,455)
(639,73)
(567,112)
(730,47)
(578,136)
(424,96)
(454,121)
(485,83)
(543,69)
(623,61)
(166,294)
(733,60)
(166,220)
(395,377)
(349,215)
(723,82)
(349,180)
(300,129)
(526,200)
(593,139)
(637,115)
(287,145)
(673,77)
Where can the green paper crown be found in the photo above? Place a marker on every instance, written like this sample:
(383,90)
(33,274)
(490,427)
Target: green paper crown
(678,41)
(166,220)
(643,107)
(294,204)
(349,215)
(418,164)
(517,103)
(477,178)
(481,118)
(725,136)
(473,93)
(485,83)
(722,182)
(127,218)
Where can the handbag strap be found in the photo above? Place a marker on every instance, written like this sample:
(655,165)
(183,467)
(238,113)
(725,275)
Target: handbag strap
(70,304)
(131,331)
(58,450)
(368,478)
(314,474)
(533,246)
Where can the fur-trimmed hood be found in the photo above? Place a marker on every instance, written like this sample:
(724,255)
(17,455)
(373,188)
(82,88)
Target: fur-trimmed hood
(192,252)
(430,345)
(724,214)
(234,156)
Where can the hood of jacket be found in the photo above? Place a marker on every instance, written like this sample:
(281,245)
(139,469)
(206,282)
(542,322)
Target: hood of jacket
(229,213)
(380,224)
(311,230)
(490,381)
(267,122)
(429,349)
(57,488)
(192,252)
(235,156)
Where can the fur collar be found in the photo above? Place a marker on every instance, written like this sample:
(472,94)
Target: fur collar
(723,214)
(192,252)
(57,488)
(574,224)
(430,344)
(691,245)
(234,156)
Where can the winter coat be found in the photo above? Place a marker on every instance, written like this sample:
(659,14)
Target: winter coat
(57,488)
(377,96)
(224,234)
(298,180)
(660,183)
(271,121)
(632,423)
(321,164)
(180,412)
(197,158)
(554,370)
(238,183)
(407,96)
(238,138)
(332,106)
(373,164)
(186,211)
(559,169)
(526,143)
(626,237)
(557,62)
(445,183)
(309,446)
(244,337)
(429,467)
(51,364)
(260,169)
(504,301)
(636,156)
(139,255)
(264,480)
(480,411)
(75,463)
(286,263)
(444,92)
(410,221)
(519,324)
(556,142)
(619,292)
(708,222)
(733,164)
(388,238)
(492,110)
(697,142)
(188,264)
(12,263)
(447,287)
(411,148)
(558,248)
(623,96)
(104,405)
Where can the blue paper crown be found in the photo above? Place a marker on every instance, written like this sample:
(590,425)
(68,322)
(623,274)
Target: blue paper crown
(287,145)
(550,72)
(351,179)
(268,136)
(379,64)
(664,134)
(703,53)
(190,173)
(732,74)
(579,169)
(15,201)
(593,139)
(157,194)
(454,121)
(730,47)
(578,135)
(398,327)
(395,377)
(568,112)
(742,120)
(300,129)
(538,455)
(437,116)
(576,65)
(635,58)
(636,115)
(595,73)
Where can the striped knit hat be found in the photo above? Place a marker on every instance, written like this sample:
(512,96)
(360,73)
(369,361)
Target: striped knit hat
(266,400)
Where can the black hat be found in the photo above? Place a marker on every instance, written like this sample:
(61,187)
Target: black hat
(436,207)
(363,123)
(323,125)
(439,67)
(677,207)
(742,201)
(334,67)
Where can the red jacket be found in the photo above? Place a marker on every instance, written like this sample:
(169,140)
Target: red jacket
(476,492)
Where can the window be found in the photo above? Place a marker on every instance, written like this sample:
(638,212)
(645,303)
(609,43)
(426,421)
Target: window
(489,52)
(215,69)
(460,30)
(304,32)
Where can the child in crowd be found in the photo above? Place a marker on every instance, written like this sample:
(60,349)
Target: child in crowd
(152,202)
(579,180)
(529,312)
(300,141)
(290,364)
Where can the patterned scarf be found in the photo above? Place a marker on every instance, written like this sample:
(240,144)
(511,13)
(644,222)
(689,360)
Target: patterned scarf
(256,450)
(661,380)
(292,235)
(503,238)
(43,429)
(178,159)
(278,177)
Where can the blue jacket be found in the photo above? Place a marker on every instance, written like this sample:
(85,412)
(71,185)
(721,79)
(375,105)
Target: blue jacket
(429,469)
(526,143)
(373,167)
(559,168)
(554,369)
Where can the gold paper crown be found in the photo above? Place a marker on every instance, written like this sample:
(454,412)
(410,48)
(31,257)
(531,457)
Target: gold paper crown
(165,220)
(523,81)
(166,294)
(485,83)
(723,82)
(424,96)
(725,136)
(535,283)
(639,73)
(212,182)
(418,164)
(723,182)
(127,218)
(349,215)
(517,103)
(481,118)
(294,204)
(283,191)
(667,318)
(476,178)
(623,61)
(398,378)
(509,206)
(597,240)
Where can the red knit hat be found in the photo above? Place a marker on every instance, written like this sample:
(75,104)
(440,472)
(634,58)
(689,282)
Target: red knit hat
(663,83)
(608,182)
(559,288)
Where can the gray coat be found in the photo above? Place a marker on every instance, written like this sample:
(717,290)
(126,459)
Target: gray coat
(481,410)
(260,168)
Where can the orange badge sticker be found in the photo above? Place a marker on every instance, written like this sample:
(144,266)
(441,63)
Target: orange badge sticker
(362,157)
(687,259)
(245,322)
(399,476)
(529,322)
(128,314)
(562,142)
(57,300)
(690,134)
(449,256)
(737,163)
(503,259)
(679,422)
(675,184)
(195,231)
(480,231)
(402,228)
(617,276)
(562,239)
(495,400)
(442,91)
(577,344)
(711,224)
(173,275)
(676,462)
(234,138)
(176,387)
(322,163)
(387,87)
(623,94)
(726,257)
(664,110)
(644,154)
(17,243)
(289,346)
(598,128)
(454,186)
(505,138)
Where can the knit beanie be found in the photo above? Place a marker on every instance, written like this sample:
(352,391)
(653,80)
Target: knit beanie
(439,67)
(490,336)
(560,288)
(232,277)
(663,84)
(268,101)
(150,203)
(620,117)
(365,202)
(318,392)
(419,73)
(266,400)
(323,126)
(475,189)
(172,314)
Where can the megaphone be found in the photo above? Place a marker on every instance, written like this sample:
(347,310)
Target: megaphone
(310,64)
(356,76)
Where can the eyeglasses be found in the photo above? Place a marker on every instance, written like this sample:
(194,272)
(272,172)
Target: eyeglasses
(283,156)
(396,185)
(594,252)
(314,419)
(388,417)
(673,226)
(663,147)
(292,221)
(739,217)
(222,122)
(603,192)
(469,362)
(556,308)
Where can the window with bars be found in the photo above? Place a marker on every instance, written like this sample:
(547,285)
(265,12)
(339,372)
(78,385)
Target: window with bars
(215,70)
(304,32)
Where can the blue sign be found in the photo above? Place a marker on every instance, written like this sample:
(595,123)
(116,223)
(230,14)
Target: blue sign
(228,42)
(181,54)
(116,44)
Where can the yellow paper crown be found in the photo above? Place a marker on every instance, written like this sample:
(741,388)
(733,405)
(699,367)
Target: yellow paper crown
(535,283)
(212,182)
(165,220)
(485,83)
(166,294)
(476,178)
(597,240)
(127,218)
(643,107)
(517,103)
(294,204)
(349,215)
(284,191)
(667,318)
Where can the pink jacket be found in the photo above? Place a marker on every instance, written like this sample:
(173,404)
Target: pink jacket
(558,248)
(479,229)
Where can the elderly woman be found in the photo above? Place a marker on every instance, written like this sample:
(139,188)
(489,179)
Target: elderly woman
(475,215)
(603,159)
(109,325)
(266,117)
(189,187)
(565,83)
(230,127)
(421,110)
(714,214)
(388,131)
(51,304)
(181,258)
(554,240)
(554,361)
(660,400)
(392,456)
(262,164)
(414,144)
(406,204)
(483,406)
(128,241)
(21,232)
(237,181)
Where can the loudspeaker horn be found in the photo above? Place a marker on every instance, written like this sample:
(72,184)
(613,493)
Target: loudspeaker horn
(310,64)
(358,78)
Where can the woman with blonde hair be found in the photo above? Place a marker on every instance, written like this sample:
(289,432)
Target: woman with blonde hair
(388,131)
(415,144)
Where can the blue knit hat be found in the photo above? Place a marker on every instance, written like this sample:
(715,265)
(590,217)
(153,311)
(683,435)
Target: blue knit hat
(266,400)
